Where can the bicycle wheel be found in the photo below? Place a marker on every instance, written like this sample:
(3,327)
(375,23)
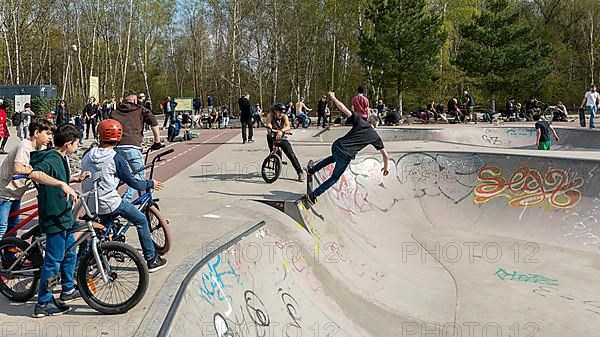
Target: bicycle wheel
(308,123)
(127,278)
(159,228)
(548,114)
(271,168)
(20,283)
(296,123)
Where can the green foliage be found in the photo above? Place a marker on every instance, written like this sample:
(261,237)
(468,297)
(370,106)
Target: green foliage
(401,43)
(500,53)
(43,105)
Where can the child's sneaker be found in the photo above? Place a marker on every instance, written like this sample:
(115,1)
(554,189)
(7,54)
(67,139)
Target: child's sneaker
(156,264)
(50,309)
(67,297)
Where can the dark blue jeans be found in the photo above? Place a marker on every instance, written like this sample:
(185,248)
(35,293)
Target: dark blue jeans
(7,223)
(57,259)
(341,163)
(131,213)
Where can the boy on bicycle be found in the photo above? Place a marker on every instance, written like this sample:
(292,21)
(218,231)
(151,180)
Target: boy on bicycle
(55,200)
(345,148)
(110,167)
(17,162)
(277,126)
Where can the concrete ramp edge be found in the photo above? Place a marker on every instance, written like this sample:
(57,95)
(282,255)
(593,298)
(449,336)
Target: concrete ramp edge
(159,318)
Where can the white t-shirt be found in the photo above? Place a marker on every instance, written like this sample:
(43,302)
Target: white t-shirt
(14,189)
(592,98)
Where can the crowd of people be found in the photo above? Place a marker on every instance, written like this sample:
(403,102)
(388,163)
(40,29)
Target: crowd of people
(42,156)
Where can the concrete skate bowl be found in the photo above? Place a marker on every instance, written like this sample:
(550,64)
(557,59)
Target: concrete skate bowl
(518,137)
(449,244)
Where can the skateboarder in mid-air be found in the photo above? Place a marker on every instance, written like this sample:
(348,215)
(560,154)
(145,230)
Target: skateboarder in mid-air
(345,149)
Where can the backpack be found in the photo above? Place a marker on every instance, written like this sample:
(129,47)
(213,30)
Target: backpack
(17,119)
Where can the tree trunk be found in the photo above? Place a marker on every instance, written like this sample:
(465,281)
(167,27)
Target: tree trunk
(592,47)
(125,64)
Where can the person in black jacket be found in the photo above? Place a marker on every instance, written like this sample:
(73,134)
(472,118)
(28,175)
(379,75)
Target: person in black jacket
(321,111)
(62,114)
(246,117)
(90,115)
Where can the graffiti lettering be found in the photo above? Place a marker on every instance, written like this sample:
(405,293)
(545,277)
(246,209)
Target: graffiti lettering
(533,278)
(215,281)
(494,140)
(528,187)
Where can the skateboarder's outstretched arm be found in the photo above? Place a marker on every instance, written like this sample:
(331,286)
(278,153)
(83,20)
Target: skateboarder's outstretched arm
(385,156)
(340,105)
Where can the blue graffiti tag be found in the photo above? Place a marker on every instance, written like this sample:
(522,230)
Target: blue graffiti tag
(214,281)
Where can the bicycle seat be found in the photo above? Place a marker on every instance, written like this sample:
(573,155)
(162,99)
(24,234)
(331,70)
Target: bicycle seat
(34,231)
(85,217)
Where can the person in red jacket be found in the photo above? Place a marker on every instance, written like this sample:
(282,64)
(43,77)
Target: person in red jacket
(4,134)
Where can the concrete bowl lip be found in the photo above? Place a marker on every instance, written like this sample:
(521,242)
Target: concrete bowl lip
(159,317)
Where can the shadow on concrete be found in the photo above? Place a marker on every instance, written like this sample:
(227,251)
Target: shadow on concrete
(250,178)
(271,195)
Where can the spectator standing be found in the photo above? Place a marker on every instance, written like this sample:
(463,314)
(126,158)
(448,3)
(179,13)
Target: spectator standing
(360,103)
(62,114)
(90,115)
(322,111)
(26,115)
(246,118)
(132,117)
(209,103)
(469,104)
(257,115)
(197,105)
(591,101)
(543,130)
(225,116)
(4,133)
(169,111)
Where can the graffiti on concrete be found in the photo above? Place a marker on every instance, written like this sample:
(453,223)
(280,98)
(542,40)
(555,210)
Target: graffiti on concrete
(592,306)
(529,278)
(253,319)
(218,277)
(584,227)
(492,140)
(528,187)
(417,175)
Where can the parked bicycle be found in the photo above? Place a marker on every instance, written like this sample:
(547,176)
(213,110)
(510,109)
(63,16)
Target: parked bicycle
(112,276)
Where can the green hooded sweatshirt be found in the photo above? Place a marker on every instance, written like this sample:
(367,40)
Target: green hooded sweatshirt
(55,209)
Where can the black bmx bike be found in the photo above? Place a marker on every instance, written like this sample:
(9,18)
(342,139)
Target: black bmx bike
(271,166)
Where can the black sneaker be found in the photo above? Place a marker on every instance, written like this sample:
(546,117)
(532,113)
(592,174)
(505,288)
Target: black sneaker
(156,264)
(66,298)
(311,198)
(50,309)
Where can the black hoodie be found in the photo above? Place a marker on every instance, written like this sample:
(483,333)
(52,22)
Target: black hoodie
(133,117)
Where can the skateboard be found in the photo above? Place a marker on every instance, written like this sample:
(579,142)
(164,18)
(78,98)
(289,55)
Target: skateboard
(309,177)
(582,117)
(309,184)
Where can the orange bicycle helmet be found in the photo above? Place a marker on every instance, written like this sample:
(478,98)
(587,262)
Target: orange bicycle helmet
(110,130)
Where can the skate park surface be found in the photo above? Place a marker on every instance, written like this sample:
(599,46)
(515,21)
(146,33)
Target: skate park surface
(471,234)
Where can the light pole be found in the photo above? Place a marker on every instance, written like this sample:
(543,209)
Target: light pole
(71,49)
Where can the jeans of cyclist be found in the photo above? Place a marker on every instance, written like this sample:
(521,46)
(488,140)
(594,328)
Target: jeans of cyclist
(592,109)
(286,147)
(303,118)
(56,260)
(341,164)
(134,157)
(131,213)
(7,223)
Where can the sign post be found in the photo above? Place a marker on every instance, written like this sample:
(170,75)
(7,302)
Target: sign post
(20,101)
(94,87)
